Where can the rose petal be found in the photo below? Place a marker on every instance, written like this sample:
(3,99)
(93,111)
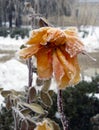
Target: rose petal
(37,35)
(57,36)
(73,43)
(74,62)
(43,126)
(30,51)
(57,69)
(44,63)
(68,67)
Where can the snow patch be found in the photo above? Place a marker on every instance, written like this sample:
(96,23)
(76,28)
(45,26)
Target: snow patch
(13,75)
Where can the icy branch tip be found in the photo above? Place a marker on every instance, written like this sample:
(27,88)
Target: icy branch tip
(85,53)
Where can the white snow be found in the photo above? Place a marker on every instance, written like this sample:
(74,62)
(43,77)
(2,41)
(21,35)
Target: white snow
(13,74)
(11,43)
(91,42)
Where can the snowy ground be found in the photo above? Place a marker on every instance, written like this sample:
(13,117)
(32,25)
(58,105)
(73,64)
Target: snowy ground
(14,74)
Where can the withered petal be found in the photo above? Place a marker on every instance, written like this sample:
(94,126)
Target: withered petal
(57,69)
(73,43)
(29,51)
(68,67)
(43,126)
(37,35)
(74,62)
(44,63)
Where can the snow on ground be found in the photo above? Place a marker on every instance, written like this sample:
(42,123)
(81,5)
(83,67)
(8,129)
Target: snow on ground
(9,43)
(91,42)
(14,74)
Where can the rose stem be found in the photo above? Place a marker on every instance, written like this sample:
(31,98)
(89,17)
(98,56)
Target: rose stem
(30,75)
(61,111)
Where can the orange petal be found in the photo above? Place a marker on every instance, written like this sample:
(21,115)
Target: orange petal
(71,67)
(68,67)
(56,36)
(37,35)
(29,52)
(65,82)
(44,63)
(74,62)
(44,126)
(57,69)
(71,31)
(73,42)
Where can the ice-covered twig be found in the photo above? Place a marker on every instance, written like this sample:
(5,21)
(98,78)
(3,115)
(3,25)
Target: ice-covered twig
(61,111)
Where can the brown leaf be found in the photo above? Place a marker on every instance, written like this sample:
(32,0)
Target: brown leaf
(46,85)
(8,102)
(5,93)
(25,111)
(43,22)
(24,125)
(32,94)
(34,107)
(39,82)
(51,92)
(46,99)
(31,123)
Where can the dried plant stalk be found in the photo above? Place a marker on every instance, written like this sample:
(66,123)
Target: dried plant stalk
(61,111)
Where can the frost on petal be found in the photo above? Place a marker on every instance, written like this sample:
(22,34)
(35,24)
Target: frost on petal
(73,42)
(37,35)
(68,67)
(44,63)
(76,69)
(71,68)
(57,69)
(29,51)
(60,75)
(71,31)
(58,36)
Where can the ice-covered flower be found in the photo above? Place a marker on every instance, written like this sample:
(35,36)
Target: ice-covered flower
(56,52)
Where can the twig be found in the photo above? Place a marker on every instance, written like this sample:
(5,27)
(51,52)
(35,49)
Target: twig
(61,111)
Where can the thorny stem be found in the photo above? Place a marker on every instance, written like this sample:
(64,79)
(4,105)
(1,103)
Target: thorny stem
(61,111)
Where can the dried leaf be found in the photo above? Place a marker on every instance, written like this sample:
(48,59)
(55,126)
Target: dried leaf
(32,94)
(8,102)
(46,85)
(39,82)
(31,123)
(17,92)
(34,107)
(5,93)
(43,22)
(25,111)
(24,125)
(46,99)
(51,92)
